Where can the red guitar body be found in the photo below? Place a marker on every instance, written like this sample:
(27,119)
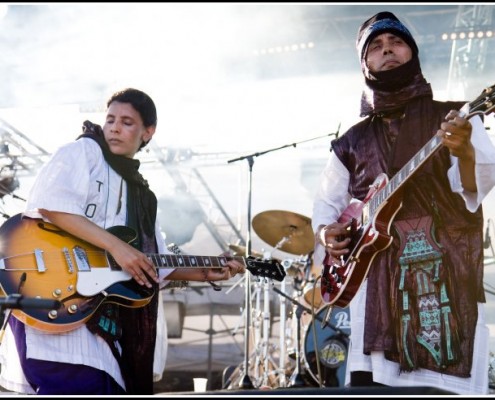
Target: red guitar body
(341,280)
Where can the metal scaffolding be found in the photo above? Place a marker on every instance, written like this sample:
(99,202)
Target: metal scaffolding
(469,50)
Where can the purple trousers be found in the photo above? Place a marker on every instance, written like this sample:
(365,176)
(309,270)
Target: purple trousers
(50,377)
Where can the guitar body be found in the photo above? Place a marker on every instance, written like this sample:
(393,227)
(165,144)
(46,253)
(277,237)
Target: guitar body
(340,282)
(39,260)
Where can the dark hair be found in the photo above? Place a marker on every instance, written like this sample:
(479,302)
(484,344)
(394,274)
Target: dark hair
(141,102)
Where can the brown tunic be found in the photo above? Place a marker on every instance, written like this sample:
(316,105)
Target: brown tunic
(368,149)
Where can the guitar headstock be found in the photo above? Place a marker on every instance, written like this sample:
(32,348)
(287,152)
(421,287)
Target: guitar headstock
(484,103)
(271,269)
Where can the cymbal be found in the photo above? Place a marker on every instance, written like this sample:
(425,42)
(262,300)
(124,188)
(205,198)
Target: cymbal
(274,225)
(241,251)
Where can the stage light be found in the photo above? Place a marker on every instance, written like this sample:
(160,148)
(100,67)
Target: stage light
(480,34)
(285,48)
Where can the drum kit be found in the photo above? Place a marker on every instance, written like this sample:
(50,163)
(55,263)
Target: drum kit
(314,338)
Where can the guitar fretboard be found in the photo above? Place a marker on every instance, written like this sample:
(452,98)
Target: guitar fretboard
(405,173)
(177,261)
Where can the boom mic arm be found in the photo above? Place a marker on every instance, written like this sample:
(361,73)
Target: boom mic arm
(18,301)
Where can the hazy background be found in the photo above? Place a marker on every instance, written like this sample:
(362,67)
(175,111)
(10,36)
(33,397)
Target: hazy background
(267,83)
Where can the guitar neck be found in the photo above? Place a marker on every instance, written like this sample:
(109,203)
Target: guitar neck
(163,261)
(406,172)
(264,268)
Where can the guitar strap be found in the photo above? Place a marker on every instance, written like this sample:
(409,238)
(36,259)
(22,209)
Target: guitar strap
(425,319)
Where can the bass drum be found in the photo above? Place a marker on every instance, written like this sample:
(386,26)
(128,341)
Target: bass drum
(332,344)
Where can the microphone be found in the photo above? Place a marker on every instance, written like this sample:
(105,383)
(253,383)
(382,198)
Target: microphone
(487,242)
(326,318)
(20,302)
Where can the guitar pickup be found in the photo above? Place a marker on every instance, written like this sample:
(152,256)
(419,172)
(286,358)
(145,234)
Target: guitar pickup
(81,259)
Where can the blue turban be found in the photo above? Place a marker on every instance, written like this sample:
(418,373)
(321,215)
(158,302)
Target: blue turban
(380,23)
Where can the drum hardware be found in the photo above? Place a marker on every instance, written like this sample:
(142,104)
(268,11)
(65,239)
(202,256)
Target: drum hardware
(288,266)
(241,251)
(293,267)
(262,367)
(282,329)
(296,379)
(293,231)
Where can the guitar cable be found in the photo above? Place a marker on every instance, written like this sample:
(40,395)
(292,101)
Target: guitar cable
(313,322)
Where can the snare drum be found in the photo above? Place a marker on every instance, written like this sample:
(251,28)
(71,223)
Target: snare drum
(332,344)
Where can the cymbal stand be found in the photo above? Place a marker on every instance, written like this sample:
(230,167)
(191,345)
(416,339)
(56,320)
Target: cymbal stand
(262,337)
(296,379)
(257,331)
(282,333)
(282,327)
(266,329)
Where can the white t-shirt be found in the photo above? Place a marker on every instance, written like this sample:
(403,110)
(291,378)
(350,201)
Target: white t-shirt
(81,182)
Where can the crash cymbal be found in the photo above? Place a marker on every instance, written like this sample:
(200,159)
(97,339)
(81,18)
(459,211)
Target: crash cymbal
(274,225)
(241,251)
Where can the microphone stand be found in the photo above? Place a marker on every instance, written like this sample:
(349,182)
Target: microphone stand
(246,382)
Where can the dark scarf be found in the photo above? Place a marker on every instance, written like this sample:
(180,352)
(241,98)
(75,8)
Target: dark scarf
(138,325)
(403,90)
(392,90)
